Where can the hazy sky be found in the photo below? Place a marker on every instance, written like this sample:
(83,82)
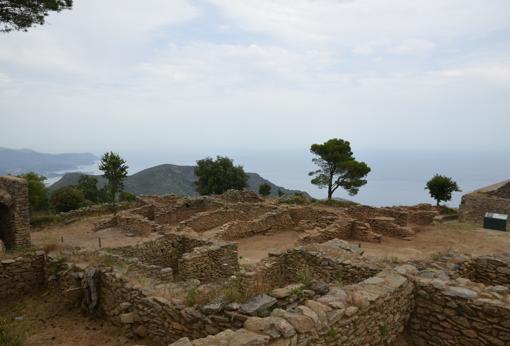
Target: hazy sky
(177,74)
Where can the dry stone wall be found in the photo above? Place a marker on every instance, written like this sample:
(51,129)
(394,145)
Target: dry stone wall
(14,213)
(21,275)
(474,206)
(373,312)
(459,312)
(490,270)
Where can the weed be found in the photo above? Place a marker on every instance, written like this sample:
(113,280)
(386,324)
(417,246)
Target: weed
(384,329)
(304,276)
(332,332)
(7,338)
(298,292)
(394,259)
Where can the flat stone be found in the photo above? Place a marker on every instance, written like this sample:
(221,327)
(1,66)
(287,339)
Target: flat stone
(128,318)
(461,292)
(275,327)
(213,307)
(182,342)
(245,337)
(374,281)
(351,311)
(300,322)
(8,261)
(320,288)
(286,291)
(258,304)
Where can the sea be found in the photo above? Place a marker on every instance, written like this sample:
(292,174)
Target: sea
(398,177)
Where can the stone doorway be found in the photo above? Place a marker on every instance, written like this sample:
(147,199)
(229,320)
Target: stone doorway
(6,236)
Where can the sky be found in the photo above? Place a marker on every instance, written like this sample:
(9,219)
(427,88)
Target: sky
(259,75)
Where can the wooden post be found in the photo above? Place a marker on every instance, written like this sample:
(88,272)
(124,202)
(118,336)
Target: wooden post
(99,241)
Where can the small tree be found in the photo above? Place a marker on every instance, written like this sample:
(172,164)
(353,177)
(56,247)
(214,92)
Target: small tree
(280,193)
(218,176)
(22,14)
(338,167)
(441,188)
(37,191)
(264,189)
(88,186)
(66,199)
(115,170)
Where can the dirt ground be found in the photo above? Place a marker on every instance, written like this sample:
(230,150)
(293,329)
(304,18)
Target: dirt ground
(253,249)
(41,320)
(81,234)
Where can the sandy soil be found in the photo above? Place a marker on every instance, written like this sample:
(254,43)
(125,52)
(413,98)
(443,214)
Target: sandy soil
(429,240)
(253,249)
(81,234)
(41,320)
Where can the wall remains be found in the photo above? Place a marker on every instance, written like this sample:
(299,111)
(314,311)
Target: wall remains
(489,270)
(22,275)
(459,312)
(474,206)
(14,213)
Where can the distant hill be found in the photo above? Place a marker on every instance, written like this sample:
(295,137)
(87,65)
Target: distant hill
(19,161)
(167,179)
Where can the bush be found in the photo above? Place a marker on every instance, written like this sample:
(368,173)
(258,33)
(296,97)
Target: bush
(127,197)
(219,175)
(441,188)
(66,199)
(264,189)
(43,218)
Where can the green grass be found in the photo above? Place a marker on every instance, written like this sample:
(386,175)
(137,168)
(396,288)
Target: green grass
(7,337)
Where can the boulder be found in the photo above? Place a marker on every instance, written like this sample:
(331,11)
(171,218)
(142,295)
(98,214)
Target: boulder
(258,305)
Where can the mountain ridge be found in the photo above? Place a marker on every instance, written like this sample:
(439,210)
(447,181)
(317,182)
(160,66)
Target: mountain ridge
(168,179)
(19,161)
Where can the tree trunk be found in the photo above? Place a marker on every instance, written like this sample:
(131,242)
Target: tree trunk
(330,186)
(90,287)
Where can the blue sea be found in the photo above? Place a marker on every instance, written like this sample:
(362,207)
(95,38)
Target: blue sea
(397,177)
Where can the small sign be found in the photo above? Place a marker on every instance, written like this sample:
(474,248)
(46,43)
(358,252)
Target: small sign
(495,221)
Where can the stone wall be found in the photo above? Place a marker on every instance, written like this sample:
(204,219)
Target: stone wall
(271,221)
(188,257)
(489,270)
(474,206)
(21,275)
(459,312)
(210,263)
(185,209)
(373,312)
(14,213)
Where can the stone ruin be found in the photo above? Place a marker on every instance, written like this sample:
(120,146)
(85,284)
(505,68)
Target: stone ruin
(491,199)
(316,294)
(236,215)
(14,213)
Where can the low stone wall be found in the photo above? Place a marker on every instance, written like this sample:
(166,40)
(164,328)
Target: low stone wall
(272,221)
(373,312)
(136,224)
(365,213)
(210,219)
(341,229)
(459,312)
(490,270)
(387,226)
(210,263)
(21,275)
(185,209)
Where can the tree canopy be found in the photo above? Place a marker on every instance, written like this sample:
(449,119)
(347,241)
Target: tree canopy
(37,191)
(441,188)
(218,176)
(20,15)
(66,199)
(337,167)
(115,170)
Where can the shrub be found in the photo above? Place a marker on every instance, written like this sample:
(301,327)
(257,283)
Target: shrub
(43,218)
(264,189)
(66,199)
(127,197)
